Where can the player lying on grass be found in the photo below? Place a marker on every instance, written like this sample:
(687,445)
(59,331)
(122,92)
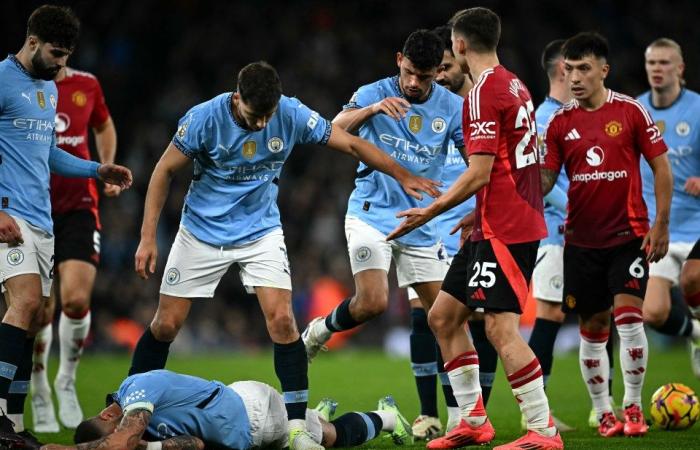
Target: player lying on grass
(166,410)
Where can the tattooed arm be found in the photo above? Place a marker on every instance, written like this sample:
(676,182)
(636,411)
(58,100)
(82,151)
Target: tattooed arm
(176,443)
(549,177)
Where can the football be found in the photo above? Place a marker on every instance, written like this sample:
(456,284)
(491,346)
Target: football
(674,406)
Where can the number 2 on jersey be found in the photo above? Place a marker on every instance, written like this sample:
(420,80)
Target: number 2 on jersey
(484,271)
(523,120)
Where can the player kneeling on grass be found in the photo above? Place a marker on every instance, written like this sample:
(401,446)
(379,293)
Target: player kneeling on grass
(166,410)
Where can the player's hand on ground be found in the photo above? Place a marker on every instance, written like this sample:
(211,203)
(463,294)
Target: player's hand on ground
(692,186)
(112,190)
(115,174)
(414,185)
(9,230)
(146,257)
(465,227)
(655,243)
(415,217)
(394,107)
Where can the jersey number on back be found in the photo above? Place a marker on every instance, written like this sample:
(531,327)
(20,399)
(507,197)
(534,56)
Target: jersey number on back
(522,120)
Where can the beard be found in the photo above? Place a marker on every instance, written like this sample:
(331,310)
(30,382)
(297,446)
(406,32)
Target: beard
(42,70)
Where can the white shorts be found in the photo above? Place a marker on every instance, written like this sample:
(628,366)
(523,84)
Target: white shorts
(669,267)
(548,275)
(413,295)
(368,249)
(268,416)
(194,268)
(35,255)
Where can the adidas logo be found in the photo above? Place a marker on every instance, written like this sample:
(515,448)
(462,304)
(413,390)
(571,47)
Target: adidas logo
(632,284)
(479,295)
(572,135)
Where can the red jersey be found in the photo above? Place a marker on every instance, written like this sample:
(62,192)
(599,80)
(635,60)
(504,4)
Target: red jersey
(600,150)
(81,105)
(498,120)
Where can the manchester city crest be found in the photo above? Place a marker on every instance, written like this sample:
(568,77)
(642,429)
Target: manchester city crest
(15,257)
(415,123)
(363,254)
(275,144)
(438,126)
(250,148)
(683,128)
(172,276)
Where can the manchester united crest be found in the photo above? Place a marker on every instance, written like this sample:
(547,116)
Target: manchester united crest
(570,301)
(613,128)
(250,148)
(415,123)
(41,99)
(79,98)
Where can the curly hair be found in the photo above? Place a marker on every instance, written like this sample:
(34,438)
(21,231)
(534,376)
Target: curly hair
(424,49)
(57,25)
(260,86)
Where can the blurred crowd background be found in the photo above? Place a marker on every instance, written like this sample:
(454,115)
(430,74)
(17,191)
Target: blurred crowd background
(156,59)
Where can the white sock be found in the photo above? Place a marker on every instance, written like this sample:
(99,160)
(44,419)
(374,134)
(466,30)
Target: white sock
(634,352)
(388,420)
(40,357)
(463,372)
(528,388)
(71,335)
(297,424)
(595,369)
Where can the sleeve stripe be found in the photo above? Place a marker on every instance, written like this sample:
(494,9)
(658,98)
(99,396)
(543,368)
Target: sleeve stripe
(180,146)
(475,96)
(645,113)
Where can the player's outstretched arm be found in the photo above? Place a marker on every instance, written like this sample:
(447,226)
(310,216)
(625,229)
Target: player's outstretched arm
(369,154)
(478,174)
(656,240)
(106,144)
(352,119)
(147,252)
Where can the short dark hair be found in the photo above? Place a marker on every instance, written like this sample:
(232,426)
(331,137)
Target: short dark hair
(480,26)
(424,48)
(444,32)
(584,44)
(259,86)
(87,431)
(550,55)
(57,25)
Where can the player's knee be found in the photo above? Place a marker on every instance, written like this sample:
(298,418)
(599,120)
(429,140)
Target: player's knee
(281,327)
(690,278)
(596,323)
(75,306)
(27,305)
(370,303)
(655,315)
(550,311)
(440,323)
(500,334)
(165,329)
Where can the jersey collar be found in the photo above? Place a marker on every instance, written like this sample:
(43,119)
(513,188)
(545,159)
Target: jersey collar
(19,65)
(397,87)
(657,108)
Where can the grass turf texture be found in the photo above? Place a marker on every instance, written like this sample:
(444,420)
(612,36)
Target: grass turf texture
(357,379)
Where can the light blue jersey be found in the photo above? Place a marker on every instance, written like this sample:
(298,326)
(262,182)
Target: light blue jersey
(454,167)
(182,405)
(28,151)
(418,142)
(233,196)
(680,127)
(555,201)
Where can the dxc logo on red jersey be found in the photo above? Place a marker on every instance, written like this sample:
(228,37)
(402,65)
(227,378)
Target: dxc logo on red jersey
(636,353)
(654,134)
(482,129)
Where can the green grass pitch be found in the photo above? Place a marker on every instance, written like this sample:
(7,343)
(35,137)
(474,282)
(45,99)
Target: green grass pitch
(357,379)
